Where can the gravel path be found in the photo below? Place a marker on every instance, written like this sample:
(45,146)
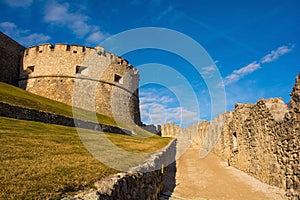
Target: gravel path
(210,178)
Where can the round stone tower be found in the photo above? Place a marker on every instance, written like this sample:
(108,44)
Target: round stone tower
(85,77)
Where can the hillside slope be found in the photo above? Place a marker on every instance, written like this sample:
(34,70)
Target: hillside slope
(17,96)
(46,161)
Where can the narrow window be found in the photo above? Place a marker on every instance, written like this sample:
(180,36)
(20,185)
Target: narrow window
(68,47)
(74,51)
(83,49)
(118,79)
(81,70)
(30,69)
(235,142)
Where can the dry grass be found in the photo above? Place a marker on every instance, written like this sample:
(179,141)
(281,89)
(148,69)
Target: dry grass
(17,96)
(137,144)
(43,161)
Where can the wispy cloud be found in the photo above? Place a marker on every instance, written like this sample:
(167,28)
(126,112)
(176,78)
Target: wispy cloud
(159,108)
(162,14)
(18,3)
(60,14)
(250,68)
(208,71)
(275,54)
(240,73)
(23,36)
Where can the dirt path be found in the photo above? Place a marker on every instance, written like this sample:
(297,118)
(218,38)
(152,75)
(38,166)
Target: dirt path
(210,178)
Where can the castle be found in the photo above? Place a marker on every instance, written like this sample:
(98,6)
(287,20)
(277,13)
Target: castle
(85,77)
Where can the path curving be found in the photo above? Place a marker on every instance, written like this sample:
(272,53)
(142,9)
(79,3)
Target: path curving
(210,178)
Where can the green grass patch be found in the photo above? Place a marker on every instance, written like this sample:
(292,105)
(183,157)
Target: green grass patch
(43,161)
(17,96)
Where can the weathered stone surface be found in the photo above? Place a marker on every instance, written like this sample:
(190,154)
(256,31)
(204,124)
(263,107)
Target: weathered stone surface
(144,182)
(10,59)
(88,78)
(261,139)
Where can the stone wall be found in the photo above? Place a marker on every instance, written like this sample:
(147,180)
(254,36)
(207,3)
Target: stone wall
(262,139)
(10,59)
(17,112)
(85,77)
(140,183)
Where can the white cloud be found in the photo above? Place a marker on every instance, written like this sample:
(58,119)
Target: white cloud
(208,71)
(9,28)
(240,73)
(60,14)
(34,38)
(210,68)
(179,113)
(159,108)
(96,37)
(275,54)
(18,3)
(24,37)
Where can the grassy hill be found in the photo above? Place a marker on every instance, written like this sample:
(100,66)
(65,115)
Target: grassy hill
(45,161)
(17,96)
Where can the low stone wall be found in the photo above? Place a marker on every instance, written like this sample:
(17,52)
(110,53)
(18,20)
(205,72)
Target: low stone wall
(142,182)
(17,112)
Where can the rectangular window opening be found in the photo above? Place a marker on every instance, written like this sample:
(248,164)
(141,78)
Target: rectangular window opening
(68,47)
(81,70)
(74,51)
(118,79)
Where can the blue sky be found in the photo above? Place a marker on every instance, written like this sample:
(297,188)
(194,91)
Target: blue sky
(254,46)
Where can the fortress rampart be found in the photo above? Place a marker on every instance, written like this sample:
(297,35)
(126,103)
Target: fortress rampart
(261,139)
(89,78)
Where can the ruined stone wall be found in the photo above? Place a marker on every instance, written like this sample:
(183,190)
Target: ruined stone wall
(10,59)
(262,139)
(139,183)
(85,77)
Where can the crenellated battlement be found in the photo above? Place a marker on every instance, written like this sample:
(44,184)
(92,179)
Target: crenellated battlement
(48,49)
(67,60)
